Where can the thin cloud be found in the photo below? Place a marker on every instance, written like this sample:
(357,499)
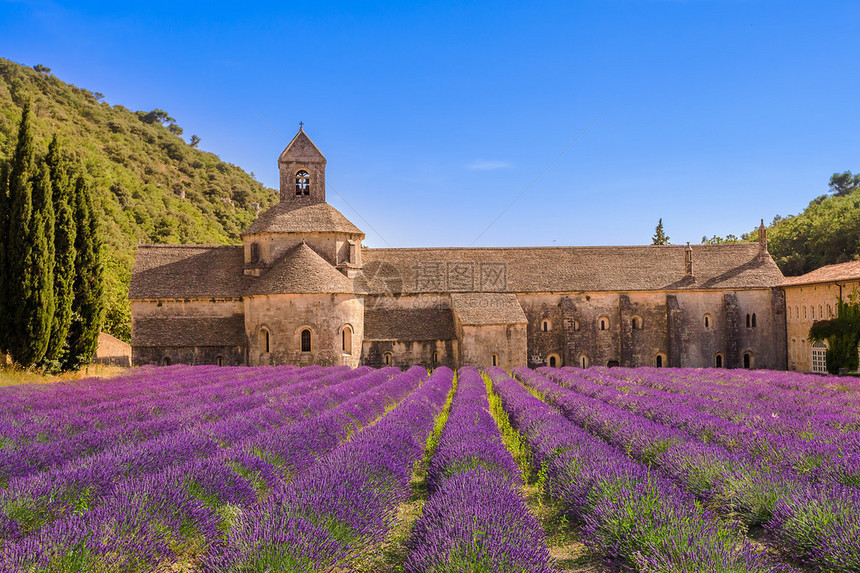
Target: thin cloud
(486,165)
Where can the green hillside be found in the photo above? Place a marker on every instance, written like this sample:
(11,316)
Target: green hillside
(826,232)
(151,186)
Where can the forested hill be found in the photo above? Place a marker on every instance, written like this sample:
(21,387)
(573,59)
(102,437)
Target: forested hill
(150,185)
(826,232)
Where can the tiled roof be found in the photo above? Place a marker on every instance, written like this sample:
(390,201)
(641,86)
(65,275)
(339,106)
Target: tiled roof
(300,271)
(409,324)
(187,271)
(566,269)
(301,148)
(286,217)
(849,271)
(475,309)
(188,331)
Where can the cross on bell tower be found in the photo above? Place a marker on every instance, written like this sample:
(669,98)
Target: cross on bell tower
(302,170)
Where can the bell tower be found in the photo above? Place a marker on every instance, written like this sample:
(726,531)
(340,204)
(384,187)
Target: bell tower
(302,169)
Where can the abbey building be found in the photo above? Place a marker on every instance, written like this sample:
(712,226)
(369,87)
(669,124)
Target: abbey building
(301,289)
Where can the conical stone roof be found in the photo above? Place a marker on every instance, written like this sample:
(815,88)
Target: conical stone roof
(301,271)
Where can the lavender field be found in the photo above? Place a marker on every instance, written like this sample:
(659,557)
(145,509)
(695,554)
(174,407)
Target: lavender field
(329,469)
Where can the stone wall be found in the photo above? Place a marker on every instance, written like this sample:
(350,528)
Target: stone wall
(333,247)
(194,355)
(405,353)
(285,316)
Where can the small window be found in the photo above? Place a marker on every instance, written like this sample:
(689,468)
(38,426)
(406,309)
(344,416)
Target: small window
(603,323)
(435,358)
(552,363)
(346,340)
(265,340)
(306,340)
(829,311)
(804,313)
(387,359)
(753,320)
(219,361)
(303,183)
(794,349)
(718,361)
(166,361)
(749,321)
(584,362)
(255,253)
(812,312)
(575,325)
(637,323)
(658,361)
(797,313)
(709,321)
(747,360)
(495,359)
(545,325)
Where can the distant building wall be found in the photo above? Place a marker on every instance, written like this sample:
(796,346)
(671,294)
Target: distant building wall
(112,351)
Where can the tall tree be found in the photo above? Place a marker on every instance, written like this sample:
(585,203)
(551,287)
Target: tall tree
(844,183)
(65,232)
(4,235)
(88,305)
(659,237)
(29,252)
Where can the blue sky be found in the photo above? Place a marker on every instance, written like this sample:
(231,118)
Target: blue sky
(601,116)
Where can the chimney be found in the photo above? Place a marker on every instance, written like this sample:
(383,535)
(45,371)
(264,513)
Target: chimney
(762,236)
(688,260)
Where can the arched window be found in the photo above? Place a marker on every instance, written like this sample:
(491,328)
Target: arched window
(797,313)
(265,340)
(219,361)
(166,361)
(303,183)
(812,312)
(546,325)
(255,253)
(829,311)
(495,359)
(794,349)
(718,361)
(584,362)
(603,323)
(804,313)
(553,361)
(748,362)
(387,359)
(346,340)
(306,340)
(575,325)
(435,358)
(709,321)
(753,320)
(749,320)
(637,323)
(658,361)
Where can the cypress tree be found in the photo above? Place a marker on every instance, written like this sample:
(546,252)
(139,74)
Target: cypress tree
(29,252)
(88,305)
(4,235)
(65,232)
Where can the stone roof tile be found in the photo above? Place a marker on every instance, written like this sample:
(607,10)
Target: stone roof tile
(188,331)
(567,269)
(409,324)
(187,271)
(287,217)
(476,309)
(300,271)
(849,271)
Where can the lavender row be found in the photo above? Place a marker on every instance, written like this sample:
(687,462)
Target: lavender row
(754,403)
(150,401)
(73,449)
(475,518)
(346,503)
(816,459)
(635,518)
(30,503)
(736,483)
